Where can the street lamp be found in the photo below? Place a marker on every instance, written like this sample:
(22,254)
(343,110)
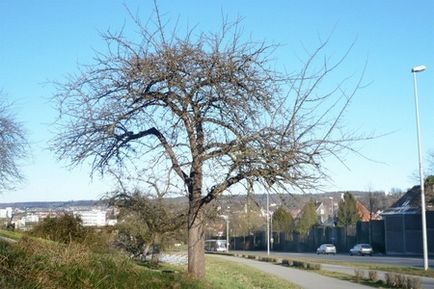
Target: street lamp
(271,229)
(333,209)
(227,231)
(268,223)
(415,70)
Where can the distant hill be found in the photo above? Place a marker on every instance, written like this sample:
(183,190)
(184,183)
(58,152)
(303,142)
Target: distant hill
(51,205)
(289,200)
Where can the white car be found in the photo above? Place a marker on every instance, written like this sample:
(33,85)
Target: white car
(326,249)
(361,250)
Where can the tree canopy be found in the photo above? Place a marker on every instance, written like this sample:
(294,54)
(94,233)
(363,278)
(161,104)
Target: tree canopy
(347,212)
(283,221)
(307,219)
(210,107)
(13,147)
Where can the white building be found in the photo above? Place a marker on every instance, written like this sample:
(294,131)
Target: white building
(92,218)
(6,213)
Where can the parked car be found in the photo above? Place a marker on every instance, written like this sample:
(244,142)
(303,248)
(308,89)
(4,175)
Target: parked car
(361,250)
(326,249)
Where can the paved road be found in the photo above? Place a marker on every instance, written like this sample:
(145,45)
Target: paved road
(384,260)
(302,278)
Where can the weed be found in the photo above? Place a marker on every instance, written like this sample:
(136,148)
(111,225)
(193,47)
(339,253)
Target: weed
(359,275)
(373,276)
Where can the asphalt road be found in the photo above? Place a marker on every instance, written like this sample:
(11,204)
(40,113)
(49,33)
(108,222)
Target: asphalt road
(384,260)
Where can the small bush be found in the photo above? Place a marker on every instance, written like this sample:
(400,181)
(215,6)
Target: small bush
(413,283)
(251,257)
(298,264)
(400,281)
(64,229)
(373,276)
(287,262)
(267,259)
(359,274)
(313,266)
(306,265)
(390,279)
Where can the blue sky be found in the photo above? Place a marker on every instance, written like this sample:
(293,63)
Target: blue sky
(43,41)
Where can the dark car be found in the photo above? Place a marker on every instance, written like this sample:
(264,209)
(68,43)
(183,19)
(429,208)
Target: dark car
(361,250)
(326,249)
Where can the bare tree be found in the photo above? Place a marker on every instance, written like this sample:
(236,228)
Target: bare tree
(161,220)
(13,147)
(209,104)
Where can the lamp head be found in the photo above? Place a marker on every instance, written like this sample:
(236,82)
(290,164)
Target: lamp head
(418,68)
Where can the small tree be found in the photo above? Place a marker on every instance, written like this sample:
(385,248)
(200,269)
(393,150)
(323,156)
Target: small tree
(348,214)
(146,222)
(429,189)
(347,211)
(283,221)
(307,219)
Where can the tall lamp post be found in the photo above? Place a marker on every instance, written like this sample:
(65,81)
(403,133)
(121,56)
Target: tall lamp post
(226,218)
(268,223)
(415,70)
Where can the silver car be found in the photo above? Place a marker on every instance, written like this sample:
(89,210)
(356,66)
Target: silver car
(361,250)
(326,249)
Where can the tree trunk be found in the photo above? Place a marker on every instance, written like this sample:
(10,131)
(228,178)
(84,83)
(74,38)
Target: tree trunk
(156,249)
(196,236)
(196,243)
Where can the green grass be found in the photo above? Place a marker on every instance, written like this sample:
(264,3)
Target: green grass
(39,264)
(11,234)
(224,274)
(32,264)
(352,278)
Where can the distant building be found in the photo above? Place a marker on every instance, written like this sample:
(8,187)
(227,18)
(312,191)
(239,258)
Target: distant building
(403,224)
(6,213)
(364,213)
(320,211)
(92,218)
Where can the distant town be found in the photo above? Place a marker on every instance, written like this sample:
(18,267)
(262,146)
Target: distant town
(25,215)
(96,213)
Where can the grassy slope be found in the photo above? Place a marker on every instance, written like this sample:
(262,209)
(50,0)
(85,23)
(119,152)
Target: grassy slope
(10,234)
(34,263)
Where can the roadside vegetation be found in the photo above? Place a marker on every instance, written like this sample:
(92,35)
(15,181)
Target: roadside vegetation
(373,266)
(391,280)
(36,263)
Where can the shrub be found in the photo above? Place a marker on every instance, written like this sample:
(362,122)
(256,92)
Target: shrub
(287,262)
(299,264)
(359,274)
(64,229)
(373,276)
(413,283)
(390,279)
(306,265)
(267,259)
(313,266)
(68,228)
(400,281)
